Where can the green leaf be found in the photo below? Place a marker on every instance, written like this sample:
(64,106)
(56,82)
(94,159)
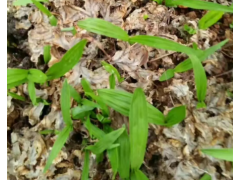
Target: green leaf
(138,127)
(167,75)
(202,55)
(86,102)
(200,80)
(72,29)
(114,159)
(69,60)
(42,8)
(32,92)
(161,43)
(224,154)
(112,70)
(105,142)
(175,116)
(112,81)
(40,100)
(25,2)
(58,144)
(16,96)
(16,75)
(66,103)
(203,5)
(11,85)
(102,27)
(189,29)
(99,157)
(53,20)
(145,16)
(80,112)
(93,130)
(210,19)
(103,106)
(36,76)
(86,166)
(206,177)
(120,102)
(74,94)
(140,175)
(124,155)
(86,86)
(47,53)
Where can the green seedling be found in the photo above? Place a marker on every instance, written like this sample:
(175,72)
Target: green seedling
(25,2)
(70,29)
(43,9)
(210,19)
(138,175)
(46,132)
(64,134)
(69,60)
(75,95)
(47,53)
(189,29)
(199,4)
(224,154)
(16,77)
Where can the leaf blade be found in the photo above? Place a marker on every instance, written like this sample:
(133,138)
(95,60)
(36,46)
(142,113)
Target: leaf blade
(32,92)
(16,75)
(176,115)
(102,27)
(58,144)
(210,19)
(65,102)
(224,154)
(47,53)
(85,171)
(69,60)
(74,94)
(167,75)
(138,128)
(36,76)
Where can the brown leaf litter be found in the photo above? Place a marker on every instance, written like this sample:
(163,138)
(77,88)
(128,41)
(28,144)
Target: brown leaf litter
(172,153)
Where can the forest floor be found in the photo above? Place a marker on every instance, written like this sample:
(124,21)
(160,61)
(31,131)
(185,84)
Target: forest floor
(172,153)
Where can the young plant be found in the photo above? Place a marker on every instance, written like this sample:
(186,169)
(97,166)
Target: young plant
(189,29)
(210,19)
(64,134)
(47,53)
(43,9)
(71,29)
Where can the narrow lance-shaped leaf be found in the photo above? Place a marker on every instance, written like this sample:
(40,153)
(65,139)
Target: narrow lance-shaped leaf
(224,154)
(16,96)
(47,53)
(124,155)
(36,76)
(175,116)
(85,171)
(69,60)
(16,75)
(14,84)
(203,5)
(106,141)
(210,19)
(138,126)
(103,27)
(80,112)
(86,86)
(74,94)
(206,177)
(112,81)
(202,55)
(114,159)
(65,103)
(200,80)
(120,102)
(42,8)
(98,133)
(160,43)
(59,143)
(32,92)
(53,20)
